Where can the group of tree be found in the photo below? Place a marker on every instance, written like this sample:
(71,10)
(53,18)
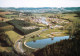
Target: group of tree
(18,24)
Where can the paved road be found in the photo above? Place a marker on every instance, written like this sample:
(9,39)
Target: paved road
(20,47)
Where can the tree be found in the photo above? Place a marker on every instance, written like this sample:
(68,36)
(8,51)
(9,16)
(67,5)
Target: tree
(28,13)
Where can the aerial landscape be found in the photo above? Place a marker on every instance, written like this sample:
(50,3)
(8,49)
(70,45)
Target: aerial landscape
(39,28)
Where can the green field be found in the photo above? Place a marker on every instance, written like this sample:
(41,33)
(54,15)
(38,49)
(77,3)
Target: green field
(5,49)
(44,34)
(13,36)
(9,16)
(69,16)
(44,14)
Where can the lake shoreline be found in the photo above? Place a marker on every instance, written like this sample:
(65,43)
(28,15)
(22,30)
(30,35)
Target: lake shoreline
(39,43)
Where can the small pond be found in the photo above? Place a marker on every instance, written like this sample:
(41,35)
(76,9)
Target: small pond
(44,42)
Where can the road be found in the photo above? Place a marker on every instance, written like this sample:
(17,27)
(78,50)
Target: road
(20,47)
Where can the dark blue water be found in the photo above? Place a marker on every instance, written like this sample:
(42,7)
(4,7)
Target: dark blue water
(44,42)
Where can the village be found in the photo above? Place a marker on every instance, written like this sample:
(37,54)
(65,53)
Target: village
(51,22)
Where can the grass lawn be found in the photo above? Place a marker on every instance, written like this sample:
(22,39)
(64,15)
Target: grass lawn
(7,19)
(32,39)
(41,25)
(69,16)
(9,16)
(44,34)
(44,14)
(13,36)
(6,49)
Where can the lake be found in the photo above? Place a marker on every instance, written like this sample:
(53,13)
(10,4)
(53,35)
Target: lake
(44,42)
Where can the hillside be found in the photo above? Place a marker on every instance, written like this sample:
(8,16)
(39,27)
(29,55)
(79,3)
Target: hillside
(44,9)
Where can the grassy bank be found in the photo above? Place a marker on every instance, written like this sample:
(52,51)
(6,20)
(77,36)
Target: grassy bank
(49,31)
(13,36)
(44,34)
(5,49)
